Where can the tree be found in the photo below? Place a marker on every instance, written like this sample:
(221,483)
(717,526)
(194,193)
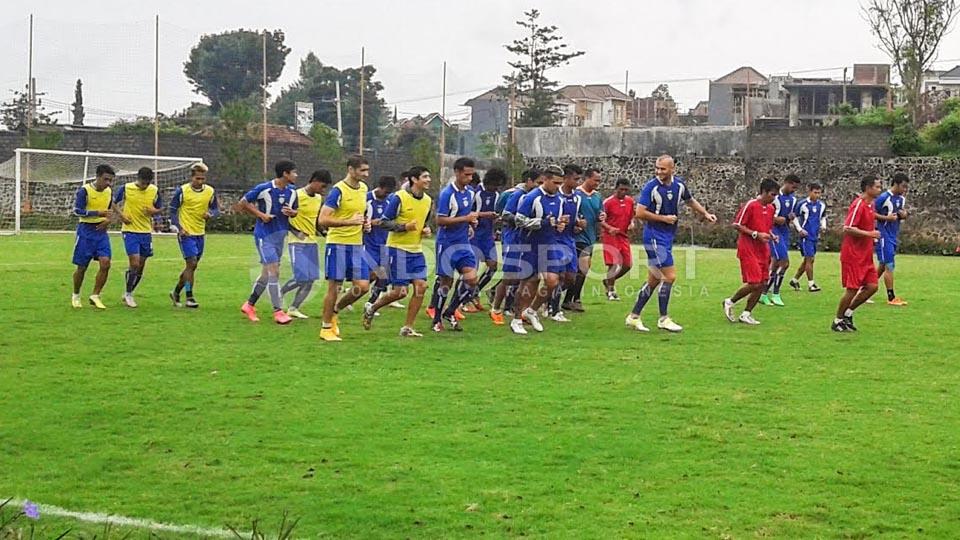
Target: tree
(229,66)
(237,135)
(910,31)
(326,145)
(317,85)
(424,153)
(662,92)
(540,51)
(78,113)
(14,113)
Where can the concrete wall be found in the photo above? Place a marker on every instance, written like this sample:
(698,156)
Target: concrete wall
(720,111)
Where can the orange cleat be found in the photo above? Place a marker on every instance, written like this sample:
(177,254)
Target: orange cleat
(431,312)
(250,311)
(897,302)
(459,315)
(497,318)
(470,308)
(280,317)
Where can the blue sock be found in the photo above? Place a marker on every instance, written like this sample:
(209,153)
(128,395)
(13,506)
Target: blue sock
(188,287)
(664,297)
(642,297)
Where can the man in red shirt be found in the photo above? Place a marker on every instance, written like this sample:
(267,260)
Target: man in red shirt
(615,235)
(754,222)
(856,254)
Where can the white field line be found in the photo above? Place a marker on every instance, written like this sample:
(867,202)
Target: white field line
(123,521)
(122,258)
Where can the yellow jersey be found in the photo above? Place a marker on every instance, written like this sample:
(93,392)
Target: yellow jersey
(89,200)
(408,208)
(136,201)
(346,201)
(306,219)
(188,206)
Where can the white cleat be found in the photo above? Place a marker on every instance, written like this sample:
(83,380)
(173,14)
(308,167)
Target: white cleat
(406,331)
(728,310)
(531,317)
(559,317)
(666,323)
(398,305)
(129,301)
(76,302)
(296,313)
(368,306)
(612,296)
(635,323)
(747,318)
(516,325)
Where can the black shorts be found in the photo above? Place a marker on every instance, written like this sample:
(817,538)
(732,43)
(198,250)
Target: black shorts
(584,250)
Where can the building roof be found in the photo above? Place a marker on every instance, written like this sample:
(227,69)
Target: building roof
(592,92)
(743,75)
(701,109)
(952,74)
(494,94)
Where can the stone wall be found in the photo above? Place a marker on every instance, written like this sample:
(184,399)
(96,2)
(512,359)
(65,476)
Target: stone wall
(723,183)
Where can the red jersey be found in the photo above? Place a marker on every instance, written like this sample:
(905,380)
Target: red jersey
(620,213)
(755,216)
(858,250)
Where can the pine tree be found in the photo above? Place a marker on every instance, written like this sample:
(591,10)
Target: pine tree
(78,113)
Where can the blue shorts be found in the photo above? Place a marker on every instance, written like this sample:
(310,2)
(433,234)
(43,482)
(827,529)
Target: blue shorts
(571,254)
(659,251)
(138,244)
(514,265)
(780,250)
(886,252)
(808,247)
(484,249)
(305,260)
(270,247)
(451,259)
(377,256)
(557,258)
(91,244)
(346,262)
(191,246)
(406,267)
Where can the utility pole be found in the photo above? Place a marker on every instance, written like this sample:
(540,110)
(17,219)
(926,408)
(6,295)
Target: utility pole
(156,91)
(844,86)
(443,120)
(339,117)
(264,119)
(363,73)
(32,102)
(512,112)
(626,83)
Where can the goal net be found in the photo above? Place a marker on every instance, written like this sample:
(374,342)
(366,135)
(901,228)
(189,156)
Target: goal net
(38,187)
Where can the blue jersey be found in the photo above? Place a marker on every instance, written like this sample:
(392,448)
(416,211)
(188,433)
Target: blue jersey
(512,196)
(377,237)
(783,206)
(540,205)
(570,207)
(888,204)
(663,199)
(811,217)
(484,201)
(454,203)
(590,208)
(270,200)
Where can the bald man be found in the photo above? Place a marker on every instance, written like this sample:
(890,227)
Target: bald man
(658,207)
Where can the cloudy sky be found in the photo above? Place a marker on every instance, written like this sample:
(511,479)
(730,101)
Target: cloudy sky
(110,44)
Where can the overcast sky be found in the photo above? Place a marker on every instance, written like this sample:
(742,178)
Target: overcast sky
(110,44)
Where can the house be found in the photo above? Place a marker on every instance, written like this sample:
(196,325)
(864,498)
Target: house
(489,112)
(697,116)
(659,109)
(739,97)
(943,83)
(432,121)
(593,105)
(813,101)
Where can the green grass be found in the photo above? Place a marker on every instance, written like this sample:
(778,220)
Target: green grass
(588,430)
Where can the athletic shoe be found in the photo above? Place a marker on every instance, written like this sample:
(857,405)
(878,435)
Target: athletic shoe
(728,310)
(75,301)
(459,315)
(191,303)
(795,285)
(296,313)
(129,301)
(666,323)
(869,301)
(634,322)
(848,322)
(335,324)
(814,288)
(576,306)
(559,317)
(398,305)
(369,305)
(747,318)
(327,334)
(839,326)
(531,317)
(367,318)
(280,317)
(516,325)
(471,308)
(406,331)
(454,323)
(765,300)
(544,311)
(175,298)
(777,301)
(497,318)
(250,311)
(508,313)
(612,296)
(431,312)
(96,302)
(478,305)
(897,302)
(438,327)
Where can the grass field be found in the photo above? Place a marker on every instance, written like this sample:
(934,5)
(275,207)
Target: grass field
(587,430)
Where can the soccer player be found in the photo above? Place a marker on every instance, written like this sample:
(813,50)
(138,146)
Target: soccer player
(890,212)
(137,202)
(659,207)
(513,247)
(784,206)
(273,203)
(591,208)
(810,222)
(539,219)
(302,242)
(856,254)
(615,236)
(374,241)
(345,259)
(406,217)
(455,216)
(566,239)
(754,222)
(92,206)
(484,244)
(191,206)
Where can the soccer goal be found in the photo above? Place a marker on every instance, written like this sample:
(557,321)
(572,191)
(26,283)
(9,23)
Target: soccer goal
(38,187)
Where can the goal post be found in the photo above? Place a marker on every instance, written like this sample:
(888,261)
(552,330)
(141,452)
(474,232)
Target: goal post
(38,187)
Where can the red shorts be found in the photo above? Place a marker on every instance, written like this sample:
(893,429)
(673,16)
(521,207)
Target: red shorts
(616,250)
(754,269)
(858,275)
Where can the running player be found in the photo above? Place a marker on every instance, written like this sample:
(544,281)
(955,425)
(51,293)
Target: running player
(856,254)
(784,206)
(374,241)
(302,242)
(890,212)
(566,239)
(810,222)
(483,241)
(92,206)
(591,208)
(615,236)
(137,202)
(513,248)
(754,222)
(191,206)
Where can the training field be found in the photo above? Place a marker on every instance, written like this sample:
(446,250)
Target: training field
(587,430)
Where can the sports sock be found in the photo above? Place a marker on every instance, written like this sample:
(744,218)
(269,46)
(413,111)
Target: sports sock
(302,294)
(464,294)
(848,313)
(258,288)
(642,298)
(441,293)
(131,280)
(664,297)
(511,297)
(273,287)
(435,297)
(179,287)
(379,287)
(573,293)
(485,279)
(188,287)
(770,281)
(553,307)
(778,280)
(138,278)
(289,286)
(890,294)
